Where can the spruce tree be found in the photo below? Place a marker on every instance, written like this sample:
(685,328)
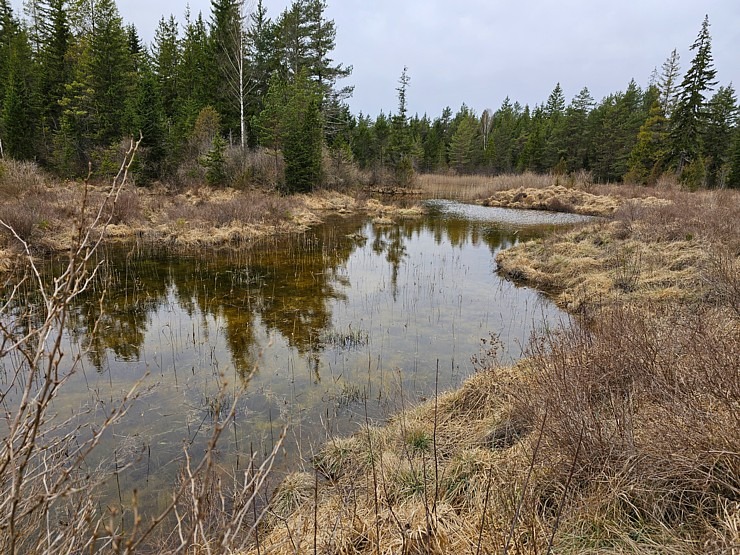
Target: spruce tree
(721,121)
(362,141)
(303,135)
(463,143)
(532,156)
(576,130)
(166,55)
(229,47)
(56,68)
(19,116)
(554,129)
(668,83)
(110,67)
(689,118)
(194,83)
(401,143)
(9,28)
(215,162)
(649,156)
(382,134)
(733,176)
(270,122)
(263,63)
(148,123)
(501,145)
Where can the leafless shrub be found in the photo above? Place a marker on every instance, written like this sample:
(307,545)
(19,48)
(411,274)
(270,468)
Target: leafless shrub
(126,209)
(249,169)
(249,207)
(49,484)
(722,274)
(17,178)
(647,397)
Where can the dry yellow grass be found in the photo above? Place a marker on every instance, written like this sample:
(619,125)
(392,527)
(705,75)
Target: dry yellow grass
(195,218)
(648,253)
(562,199)
(617,436)
(475,187)
(397,462)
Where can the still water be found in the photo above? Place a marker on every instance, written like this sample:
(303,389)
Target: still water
(314,332)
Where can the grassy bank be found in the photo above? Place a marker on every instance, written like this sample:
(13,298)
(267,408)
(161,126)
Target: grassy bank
(618,435)
(43,212)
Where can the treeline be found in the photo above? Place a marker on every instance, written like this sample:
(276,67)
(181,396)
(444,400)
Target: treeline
(682,125)
(76,82)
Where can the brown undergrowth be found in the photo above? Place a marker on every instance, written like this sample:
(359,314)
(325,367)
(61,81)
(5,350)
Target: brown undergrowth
(684,251)
(43,212)
(617,434)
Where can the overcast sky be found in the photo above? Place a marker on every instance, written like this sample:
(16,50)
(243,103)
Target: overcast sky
(480,51)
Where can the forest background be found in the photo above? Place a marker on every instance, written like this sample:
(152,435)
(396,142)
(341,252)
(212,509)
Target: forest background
(239,98)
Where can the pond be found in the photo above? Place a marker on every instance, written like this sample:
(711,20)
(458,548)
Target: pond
(315,332)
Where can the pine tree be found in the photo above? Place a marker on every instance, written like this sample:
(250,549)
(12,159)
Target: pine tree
(649,156)
(690,115)
(722,114)
(668,83)
(321,43)
(305,40)
(19,116)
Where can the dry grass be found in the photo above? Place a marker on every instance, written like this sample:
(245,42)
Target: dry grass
(469,188)
(555,198)
(44,213)
(617,435)
(678,251)
(615,438)
(572,193)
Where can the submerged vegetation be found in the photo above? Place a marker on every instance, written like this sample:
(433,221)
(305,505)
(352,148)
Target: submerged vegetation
(616,435)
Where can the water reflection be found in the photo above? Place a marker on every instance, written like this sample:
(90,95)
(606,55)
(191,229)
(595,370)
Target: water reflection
(321,328)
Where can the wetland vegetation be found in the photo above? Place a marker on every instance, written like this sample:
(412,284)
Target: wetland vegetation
(226,344)
(615,432)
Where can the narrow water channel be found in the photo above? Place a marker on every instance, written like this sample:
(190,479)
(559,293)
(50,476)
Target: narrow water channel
(315,332)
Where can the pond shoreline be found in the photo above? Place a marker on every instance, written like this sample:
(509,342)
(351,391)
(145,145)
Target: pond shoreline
(659,286)
(210,218)
(614,420)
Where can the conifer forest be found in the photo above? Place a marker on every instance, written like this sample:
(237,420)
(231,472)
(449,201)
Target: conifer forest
(77,81)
